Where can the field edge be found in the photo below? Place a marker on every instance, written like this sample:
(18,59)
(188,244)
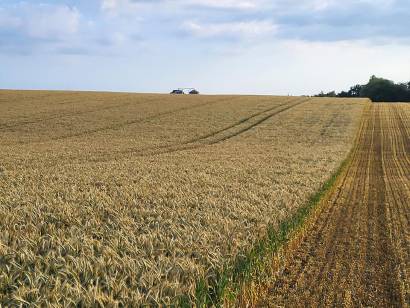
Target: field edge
(241,282)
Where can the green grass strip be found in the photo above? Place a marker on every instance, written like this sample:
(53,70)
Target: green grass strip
(253,264)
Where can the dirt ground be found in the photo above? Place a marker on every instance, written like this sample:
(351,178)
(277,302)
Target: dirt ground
(356,252)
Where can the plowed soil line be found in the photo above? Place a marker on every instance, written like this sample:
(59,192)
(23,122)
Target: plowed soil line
(356,251)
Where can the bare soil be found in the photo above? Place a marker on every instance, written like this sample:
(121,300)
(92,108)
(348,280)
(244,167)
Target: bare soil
(356,251)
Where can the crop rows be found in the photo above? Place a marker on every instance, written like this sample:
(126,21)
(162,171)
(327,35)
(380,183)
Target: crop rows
(356,252)
(134,204)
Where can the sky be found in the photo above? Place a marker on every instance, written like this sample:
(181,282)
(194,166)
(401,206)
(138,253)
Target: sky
(282,47)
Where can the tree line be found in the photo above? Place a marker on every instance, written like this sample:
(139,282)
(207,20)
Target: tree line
(377,89)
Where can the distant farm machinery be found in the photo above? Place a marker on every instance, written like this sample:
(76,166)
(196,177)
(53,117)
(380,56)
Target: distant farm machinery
(191,91)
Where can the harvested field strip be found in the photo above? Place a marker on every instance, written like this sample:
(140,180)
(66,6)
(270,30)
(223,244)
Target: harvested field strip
(404,119)
(397,170)
(356,251)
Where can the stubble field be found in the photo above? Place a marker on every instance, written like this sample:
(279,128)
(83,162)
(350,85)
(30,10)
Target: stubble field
(109,198)
(356,251)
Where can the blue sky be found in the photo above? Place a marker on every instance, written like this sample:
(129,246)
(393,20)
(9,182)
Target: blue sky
(218,46)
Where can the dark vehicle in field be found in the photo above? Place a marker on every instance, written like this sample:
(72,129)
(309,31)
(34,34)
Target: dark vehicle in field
(179,91)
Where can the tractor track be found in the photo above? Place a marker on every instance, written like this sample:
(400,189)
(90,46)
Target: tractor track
(6,126)
(259,121)
(231,131)
(47,115)
(140,120)
(215,137)
(117,126)
(356,251)
(228,132)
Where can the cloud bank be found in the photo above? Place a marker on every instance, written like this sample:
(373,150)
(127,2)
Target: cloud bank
(175,41)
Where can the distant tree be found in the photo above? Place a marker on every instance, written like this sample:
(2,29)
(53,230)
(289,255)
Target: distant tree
(344,94)
(329,94)
(355,91)
(384,90)
(377,89)
(408,92)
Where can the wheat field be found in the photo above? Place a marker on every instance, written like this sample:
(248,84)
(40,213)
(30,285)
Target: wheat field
(128,199)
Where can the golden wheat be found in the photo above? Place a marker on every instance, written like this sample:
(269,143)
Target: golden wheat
(110,199)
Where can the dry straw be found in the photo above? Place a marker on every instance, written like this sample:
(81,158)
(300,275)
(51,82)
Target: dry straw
(127,199)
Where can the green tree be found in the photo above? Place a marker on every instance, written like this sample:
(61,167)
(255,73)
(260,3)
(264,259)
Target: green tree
(355,91)
(384,90)
(377,89)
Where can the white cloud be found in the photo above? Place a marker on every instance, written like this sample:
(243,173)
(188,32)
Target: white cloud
(312,6)
(8,21)
(122,25)
(132,6)
(52,22)
(125,6)
(232,4)
(27,28)
(109,4)
(43,21)
(313,20)
(247,29)
(328,4)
